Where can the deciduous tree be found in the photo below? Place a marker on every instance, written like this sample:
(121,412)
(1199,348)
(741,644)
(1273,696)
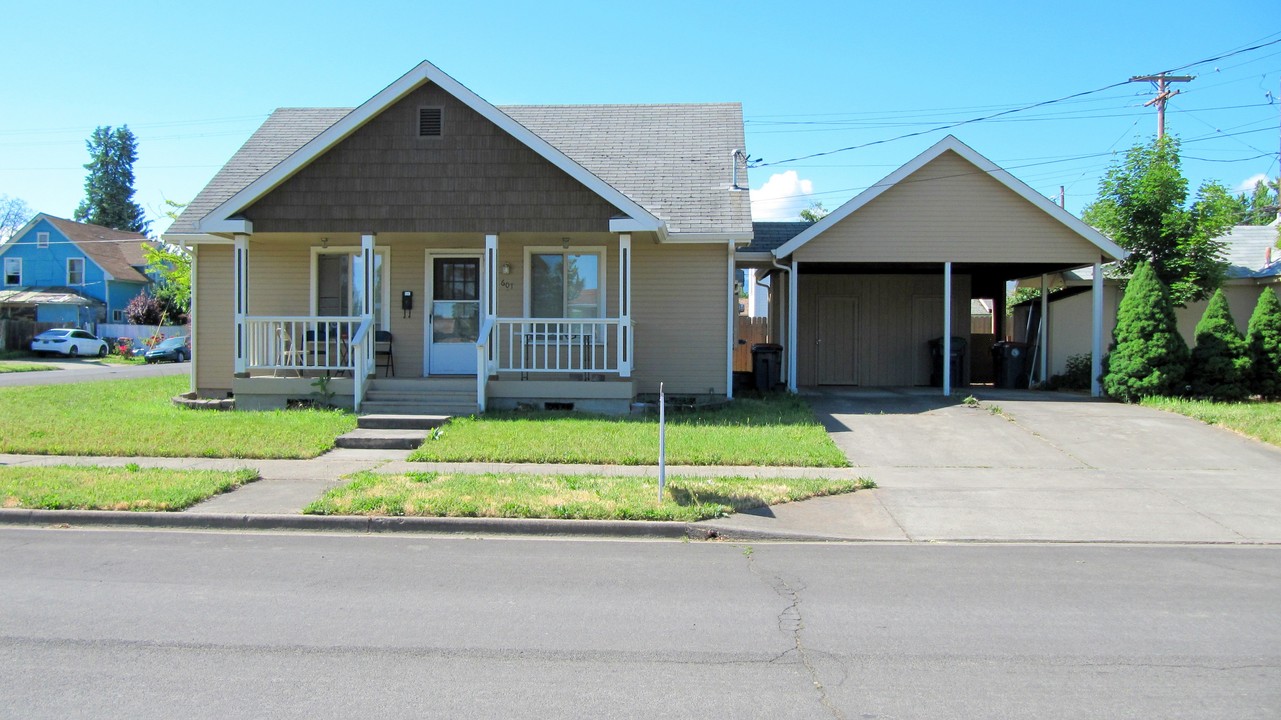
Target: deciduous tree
(1142,206)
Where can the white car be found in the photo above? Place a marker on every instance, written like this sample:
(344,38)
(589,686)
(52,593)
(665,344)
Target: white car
(69,342)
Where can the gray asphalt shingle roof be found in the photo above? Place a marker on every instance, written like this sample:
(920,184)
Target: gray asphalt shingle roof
(767,236)
(673,160)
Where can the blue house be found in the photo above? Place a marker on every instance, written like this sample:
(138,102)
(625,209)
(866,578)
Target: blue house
(71,273)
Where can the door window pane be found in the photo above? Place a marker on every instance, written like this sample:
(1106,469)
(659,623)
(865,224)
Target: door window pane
(582,286)
(455,321)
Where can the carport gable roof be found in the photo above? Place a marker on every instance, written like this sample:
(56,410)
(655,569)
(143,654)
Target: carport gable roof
(951,144)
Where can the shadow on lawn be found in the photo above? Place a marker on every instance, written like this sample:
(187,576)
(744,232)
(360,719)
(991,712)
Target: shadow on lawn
(739,502)
(769,409)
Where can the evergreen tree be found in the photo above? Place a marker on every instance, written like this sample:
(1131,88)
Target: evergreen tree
(1220,367)
(1148,356)
(109,184)
(1263,339)
(1141,206)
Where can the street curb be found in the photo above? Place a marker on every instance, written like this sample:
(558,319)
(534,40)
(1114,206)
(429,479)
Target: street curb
(354,523)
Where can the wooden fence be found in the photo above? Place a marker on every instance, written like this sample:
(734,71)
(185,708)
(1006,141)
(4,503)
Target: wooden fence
(16,333)
(750,330)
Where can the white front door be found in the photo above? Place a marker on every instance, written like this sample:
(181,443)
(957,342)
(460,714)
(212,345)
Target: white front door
(454,313)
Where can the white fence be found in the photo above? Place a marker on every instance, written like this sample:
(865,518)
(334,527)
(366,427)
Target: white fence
(140,332)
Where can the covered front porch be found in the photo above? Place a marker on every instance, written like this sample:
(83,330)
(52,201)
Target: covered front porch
(530,321)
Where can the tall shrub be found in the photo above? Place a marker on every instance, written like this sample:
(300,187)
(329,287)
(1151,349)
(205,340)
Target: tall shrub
(1220,367)
(1263,340)
(1148,356)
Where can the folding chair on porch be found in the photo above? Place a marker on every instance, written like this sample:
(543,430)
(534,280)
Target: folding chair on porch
(382,349)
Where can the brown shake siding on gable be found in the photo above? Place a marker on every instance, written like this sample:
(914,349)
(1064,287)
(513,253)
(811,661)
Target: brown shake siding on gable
(473,178)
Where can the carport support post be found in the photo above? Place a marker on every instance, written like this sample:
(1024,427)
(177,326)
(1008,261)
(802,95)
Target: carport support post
(1045,330)
(1096,331)
(792,293)
(947,328)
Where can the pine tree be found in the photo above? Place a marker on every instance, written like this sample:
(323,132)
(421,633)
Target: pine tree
(1263,340)
(1148,356)
(1220,367)
(109,184)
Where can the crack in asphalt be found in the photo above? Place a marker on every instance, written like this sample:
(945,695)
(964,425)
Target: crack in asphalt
(791,623)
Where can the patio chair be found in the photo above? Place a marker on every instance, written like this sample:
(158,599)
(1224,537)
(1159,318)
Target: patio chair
(288,355)
(382,349)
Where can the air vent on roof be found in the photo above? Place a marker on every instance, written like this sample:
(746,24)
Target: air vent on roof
(429,122)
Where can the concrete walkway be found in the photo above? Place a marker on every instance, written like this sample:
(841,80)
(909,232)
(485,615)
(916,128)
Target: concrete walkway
(1018,466)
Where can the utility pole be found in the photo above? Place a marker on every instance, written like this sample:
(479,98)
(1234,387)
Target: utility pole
(1163,93)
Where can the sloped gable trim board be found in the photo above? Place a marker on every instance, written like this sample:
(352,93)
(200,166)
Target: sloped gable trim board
(425,72)
(951,143)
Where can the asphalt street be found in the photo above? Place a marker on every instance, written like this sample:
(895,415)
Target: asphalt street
(88,370)
(146,624)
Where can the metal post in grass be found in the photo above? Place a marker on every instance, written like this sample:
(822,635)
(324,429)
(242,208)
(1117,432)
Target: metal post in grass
(662,442)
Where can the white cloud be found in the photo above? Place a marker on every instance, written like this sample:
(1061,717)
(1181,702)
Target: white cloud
(782,197)
(1247,185)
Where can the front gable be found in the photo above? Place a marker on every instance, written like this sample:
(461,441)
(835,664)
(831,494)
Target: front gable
(46,267)
(950,204)
(474,177)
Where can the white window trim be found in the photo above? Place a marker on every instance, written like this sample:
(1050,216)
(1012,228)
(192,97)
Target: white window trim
(82,272)
(17,261)
(383,250)
(602,272)
(42,239)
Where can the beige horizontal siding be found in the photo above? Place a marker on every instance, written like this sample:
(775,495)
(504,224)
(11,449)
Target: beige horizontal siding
(213,321)
(896,317)
(949,210)
(680,308)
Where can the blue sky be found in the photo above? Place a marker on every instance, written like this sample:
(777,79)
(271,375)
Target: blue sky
(193,81)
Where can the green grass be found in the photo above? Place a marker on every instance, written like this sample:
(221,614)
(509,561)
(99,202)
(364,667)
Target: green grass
(135,418)
(66,487)
(577,497)
(780,430)
(1259,420)
(10,366)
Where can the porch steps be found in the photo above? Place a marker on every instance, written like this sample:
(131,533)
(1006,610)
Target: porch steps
(399,414)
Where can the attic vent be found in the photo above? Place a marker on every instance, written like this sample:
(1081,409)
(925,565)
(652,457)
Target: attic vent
(429,122)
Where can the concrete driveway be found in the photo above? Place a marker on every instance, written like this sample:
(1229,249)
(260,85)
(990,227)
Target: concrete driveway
(1035,466)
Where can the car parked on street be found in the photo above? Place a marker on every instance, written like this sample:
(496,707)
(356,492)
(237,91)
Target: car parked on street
(70,342)
(175,349)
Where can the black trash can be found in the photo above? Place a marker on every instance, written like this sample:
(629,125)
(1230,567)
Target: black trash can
(956,363)
(1009,362)
(767,365)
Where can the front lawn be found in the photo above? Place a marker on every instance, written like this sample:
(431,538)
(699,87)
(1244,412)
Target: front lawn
(1259,420)
(779,430)
(136,418)
(576,497)
(11,366)
(68,487)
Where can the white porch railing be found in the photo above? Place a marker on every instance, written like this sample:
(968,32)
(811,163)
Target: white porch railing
(301,343)
(558,345)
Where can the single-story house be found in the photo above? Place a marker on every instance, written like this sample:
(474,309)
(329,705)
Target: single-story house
(862,292)
(1254,266)
(429,251)
(61,271)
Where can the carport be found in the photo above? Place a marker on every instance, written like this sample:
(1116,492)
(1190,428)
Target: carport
(861,292)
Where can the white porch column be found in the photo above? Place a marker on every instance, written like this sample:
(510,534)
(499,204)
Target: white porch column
(240,286)
(367,269)
(624,305)
(1045,330)
(731,321)
(947,328)
(793,292)
(491,299)
(1096,331)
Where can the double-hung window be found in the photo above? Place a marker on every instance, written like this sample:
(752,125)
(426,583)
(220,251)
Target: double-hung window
(75,271)
(13,271)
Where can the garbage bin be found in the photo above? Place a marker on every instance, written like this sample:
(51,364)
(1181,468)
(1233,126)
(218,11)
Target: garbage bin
(767,365)
(957,363)
(1009,362)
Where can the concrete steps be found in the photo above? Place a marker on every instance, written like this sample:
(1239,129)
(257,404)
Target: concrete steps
(399,414)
